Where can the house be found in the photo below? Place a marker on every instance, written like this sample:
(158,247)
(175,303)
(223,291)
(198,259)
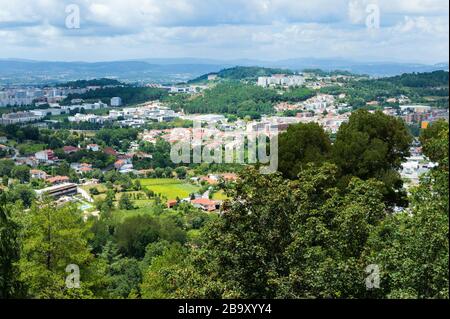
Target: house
(70,149)
(93,147)
(127,168)
(206,204)
(210,179)
(118,164)
(229,177)
(110,151)
(171,203)
(38,174)
(45,156)
(84,168)
(125,157)
(58,180)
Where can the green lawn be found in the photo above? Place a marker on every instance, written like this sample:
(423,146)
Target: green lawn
(120,215)
(220,195)
(169,188)
(27,149)
(159,181)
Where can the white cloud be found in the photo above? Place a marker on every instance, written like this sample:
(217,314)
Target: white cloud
(265,29)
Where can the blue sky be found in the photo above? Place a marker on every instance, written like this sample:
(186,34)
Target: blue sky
(409,30)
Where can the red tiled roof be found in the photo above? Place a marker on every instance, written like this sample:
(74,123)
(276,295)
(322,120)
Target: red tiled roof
(70,148)
(109,151)
(57,179)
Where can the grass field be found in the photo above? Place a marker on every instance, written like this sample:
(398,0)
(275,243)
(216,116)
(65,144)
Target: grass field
(120,215)
(170,188)
(220,195)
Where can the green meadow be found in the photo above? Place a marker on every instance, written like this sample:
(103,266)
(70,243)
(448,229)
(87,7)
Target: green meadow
(169,188)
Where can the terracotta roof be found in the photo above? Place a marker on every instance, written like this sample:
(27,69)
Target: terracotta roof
(70,148)
(58,179)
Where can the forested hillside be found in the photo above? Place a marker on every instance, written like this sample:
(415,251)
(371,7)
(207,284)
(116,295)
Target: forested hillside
(243,73)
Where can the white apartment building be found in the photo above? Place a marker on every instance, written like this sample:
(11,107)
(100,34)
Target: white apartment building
(282,80)
(19,117)
(116,101)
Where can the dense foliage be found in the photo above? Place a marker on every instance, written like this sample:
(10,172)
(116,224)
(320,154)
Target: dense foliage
(430,88)
(243,73)
(368,146)
(239,99)
(93,82)
(129,95)
(303,237)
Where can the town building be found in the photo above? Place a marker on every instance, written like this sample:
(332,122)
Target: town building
(116,101)
(45,156)
(57,191)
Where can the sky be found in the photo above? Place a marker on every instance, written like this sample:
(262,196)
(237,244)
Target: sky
(366,30)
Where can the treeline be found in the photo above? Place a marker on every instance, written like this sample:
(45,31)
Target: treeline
(94,82)
(418,87)
(129,95)
(323,73)
(420,80)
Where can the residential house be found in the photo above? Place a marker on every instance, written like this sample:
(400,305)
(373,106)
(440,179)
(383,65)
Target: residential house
(206,204)
(171,203)
(58,180)
(45,156)
(118,164)
(38,174)
(70,149)
(93,147)
(110,151)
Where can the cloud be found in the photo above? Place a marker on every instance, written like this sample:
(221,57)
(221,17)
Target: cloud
(414,30)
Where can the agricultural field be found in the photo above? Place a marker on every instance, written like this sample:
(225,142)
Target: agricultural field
(169,188)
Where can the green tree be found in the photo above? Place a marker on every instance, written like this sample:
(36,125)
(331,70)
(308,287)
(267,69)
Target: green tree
(6,167)
(22,173)
(300,145)
(161,279)
(430,140)
(10,286)
(52,240)
(373,145)
(125,202)
(124,278)
(23,193)
(135,233)
(412,248)
(289,239)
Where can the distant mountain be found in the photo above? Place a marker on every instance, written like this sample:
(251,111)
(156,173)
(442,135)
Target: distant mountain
(18,71)
(36,72)
(376,69)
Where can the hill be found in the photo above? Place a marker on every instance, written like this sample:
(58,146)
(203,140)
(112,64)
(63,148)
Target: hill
(243,73)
